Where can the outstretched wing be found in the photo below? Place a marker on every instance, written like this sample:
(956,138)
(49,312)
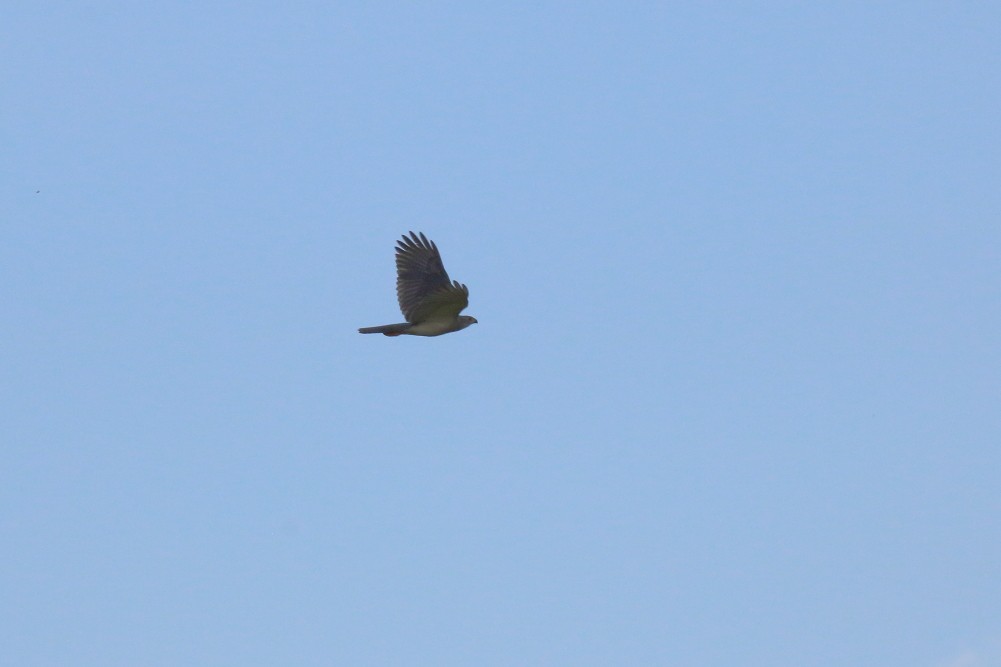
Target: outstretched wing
(422,285)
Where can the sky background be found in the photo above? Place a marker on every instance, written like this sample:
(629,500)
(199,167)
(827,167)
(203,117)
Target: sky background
(734,394)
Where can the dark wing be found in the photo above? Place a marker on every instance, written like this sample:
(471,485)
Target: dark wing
(422,285)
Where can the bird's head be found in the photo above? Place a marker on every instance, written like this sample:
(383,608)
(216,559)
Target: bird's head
(466,320)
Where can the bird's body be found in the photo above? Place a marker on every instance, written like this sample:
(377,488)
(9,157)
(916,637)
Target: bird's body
(430,302)
(435,327)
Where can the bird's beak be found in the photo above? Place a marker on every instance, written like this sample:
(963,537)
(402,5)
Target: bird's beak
(475,321)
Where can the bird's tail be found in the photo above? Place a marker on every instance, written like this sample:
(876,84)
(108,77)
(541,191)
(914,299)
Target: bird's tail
(387,329)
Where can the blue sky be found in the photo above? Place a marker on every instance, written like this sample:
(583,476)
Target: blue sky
(734,394)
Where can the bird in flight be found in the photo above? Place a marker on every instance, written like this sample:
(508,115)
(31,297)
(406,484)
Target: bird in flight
(430,302)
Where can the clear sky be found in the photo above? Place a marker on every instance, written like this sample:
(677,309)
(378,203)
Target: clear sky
(734,397)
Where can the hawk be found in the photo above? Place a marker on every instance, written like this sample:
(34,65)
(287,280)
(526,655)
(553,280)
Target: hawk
(430,302)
